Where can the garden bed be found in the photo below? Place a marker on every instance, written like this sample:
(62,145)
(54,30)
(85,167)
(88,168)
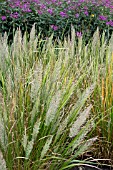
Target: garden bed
(56,90)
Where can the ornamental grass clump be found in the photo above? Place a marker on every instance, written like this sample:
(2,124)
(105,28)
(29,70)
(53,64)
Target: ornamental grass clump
(103,96)
(44,121)
(100,54)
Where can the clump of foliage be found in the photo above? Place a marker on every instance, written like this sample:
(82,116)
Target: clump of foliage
(51,99)
(57,16)
(40,127)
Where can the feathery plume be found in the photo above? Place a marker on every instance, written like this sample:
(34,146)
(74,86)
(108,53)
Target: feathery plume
(81,120)
(2,162)
(46,146)
(53,107)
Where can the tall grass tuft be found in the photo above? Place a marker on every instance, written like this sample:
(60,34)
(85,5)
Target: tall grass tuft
(103,103)
(46,109)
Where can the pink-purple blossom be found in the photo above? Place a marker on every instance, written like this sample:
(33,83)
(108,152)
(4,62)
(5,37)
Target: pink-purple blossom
(14,15)
(77,15)
(54,1)
(102,17)
(109,23)
(50,11)
(78,34)
(3,18)
(42,6)
(59,3)
(54,27)
(63,14)
(86,13)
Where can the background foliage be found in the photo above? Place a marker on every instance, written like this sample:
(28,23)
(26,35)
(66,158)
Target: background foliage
(57,16)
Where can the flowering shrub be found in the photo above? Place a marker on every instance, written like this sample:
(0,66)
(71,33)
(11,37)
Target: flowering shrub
(57,16)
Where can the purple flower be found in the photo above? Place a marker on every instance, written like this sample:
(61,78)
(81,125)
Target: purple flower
(77,15)
(59,3)
(102,17)
(3,18)
(54,27)
(63,14)
(109,23)
(53,1)
(86,13)
(50,11)
(43,6)
(17,4)
(7,11)
(78,4)
(27,10)
(68,2)
(37,1)
(71,7)
(111,6)
(78,34)
(25,6)
(12,6)
(82,1)
(85,8)
(14,15)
